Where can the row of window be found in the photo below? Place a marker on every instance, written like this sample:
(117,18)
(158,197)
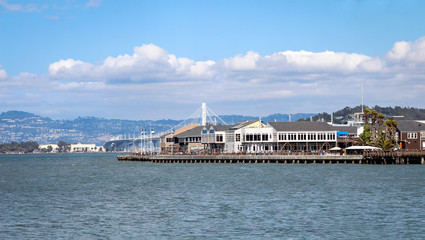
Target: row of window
(412,135)
(254,137)
(219,138)
(193,139)
(306,136)
(204,131)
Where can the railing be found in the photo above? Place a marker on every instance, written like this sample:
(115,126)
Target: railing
(399,153)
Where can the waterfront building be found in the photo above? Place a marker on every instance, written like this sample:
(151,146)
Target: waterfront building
(346,134)
(217,137)
(258,137)
(190,141)
(169,142)
(410,134)
(304,136)
(252,137)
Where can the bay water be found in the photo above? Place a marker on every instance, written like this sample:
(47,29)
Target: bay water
(94,196)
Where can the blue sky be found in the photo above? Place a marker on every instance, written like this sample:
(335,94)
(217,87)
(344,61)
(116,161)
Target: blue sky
(161,59)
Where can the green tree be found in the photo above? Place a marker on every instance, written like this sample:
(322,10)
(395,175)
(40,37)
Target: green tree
(23,147)
(364,138)
(384,143)
(64,147)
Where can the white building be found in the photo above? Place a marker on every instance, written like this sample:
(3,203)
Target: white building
(304,136)
(46,146)
(257,137)
(79,147)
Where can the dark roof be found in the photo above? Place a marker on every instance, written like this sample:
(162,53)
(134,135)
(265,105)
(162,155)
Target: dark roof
(194,132)
(410,126)
(301,126)
(197,131)
(221,127)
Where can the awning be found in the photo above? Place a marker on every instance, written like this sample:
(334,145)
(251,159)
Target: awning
(335,149)
(363,148)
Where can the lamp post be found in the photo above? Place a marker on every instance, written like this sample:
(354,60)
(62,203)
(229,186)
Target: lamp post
(172,141)
(141,142)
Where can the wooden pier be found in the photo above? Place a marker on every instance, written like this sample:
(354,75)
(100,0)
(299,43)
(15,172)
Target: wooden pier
(395,157)
(288,159)
(378,157)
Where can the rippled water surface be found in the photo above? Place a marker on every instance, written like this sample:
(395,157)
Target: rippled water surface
(95,196)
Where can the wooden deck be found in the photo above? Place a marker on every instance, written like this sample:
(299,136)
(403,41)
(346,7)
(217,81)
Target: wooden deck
(289,159)
(396,157)
(376,157)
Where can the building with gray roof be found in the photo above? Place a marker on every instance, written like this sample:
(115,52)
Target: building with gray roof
(411,134)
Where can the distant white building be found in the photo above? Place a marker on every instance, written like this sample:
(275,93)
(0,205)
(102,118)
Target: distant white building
(46,146)
(79,147)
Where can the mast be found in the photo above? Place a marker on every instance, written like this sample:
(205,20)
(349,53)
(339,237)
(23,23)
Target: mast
(362,96)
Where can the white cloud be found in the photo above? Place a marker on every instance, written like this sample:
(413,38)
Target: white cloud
(18,7)
(52,17)
(412,53)
(3,74)
(148,63)
(242,63)
(93,3)
(302,62)
(285,81)
(399,51)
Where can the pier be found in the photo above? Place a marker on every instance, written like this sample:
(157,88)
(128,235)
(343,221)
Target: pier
(395,157)
(288,159)
(378,157)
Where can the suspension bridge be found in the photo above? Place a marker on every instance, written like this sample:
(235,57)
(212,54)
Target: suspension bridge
(148,141)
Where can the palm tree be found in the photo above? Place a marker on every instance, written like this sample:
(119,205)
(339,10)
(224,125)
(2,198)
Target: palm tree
(366,115)
(390,129)
(384,143)
(380,123)
(393,128)
(374,115)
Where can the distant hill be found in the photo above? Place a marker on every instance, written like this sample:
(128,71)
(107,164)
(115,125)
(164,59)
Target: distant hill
(233,119)
(17,115)
(21,126)
(343,115)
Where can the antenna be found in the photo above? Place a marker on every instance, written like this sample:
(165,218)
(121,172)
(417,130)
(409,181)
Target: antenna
(362,96)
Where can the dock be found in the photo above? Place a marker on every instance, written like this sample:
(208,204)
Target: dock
(288,159)
(384,157)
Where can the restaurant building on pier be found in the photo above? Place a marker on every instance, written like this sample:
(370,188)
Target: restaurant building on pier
(258,137)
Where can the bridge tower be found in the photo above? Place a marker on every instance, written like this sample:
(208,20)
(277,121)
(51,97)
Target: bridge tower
(204,114)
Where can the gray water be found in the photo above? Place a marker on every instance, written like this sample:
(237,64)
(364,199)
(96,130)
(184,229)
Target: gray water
(93,196)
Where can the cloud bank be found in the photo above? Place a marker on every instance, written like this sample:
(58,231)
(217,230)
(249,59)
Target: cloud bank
(287,81)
